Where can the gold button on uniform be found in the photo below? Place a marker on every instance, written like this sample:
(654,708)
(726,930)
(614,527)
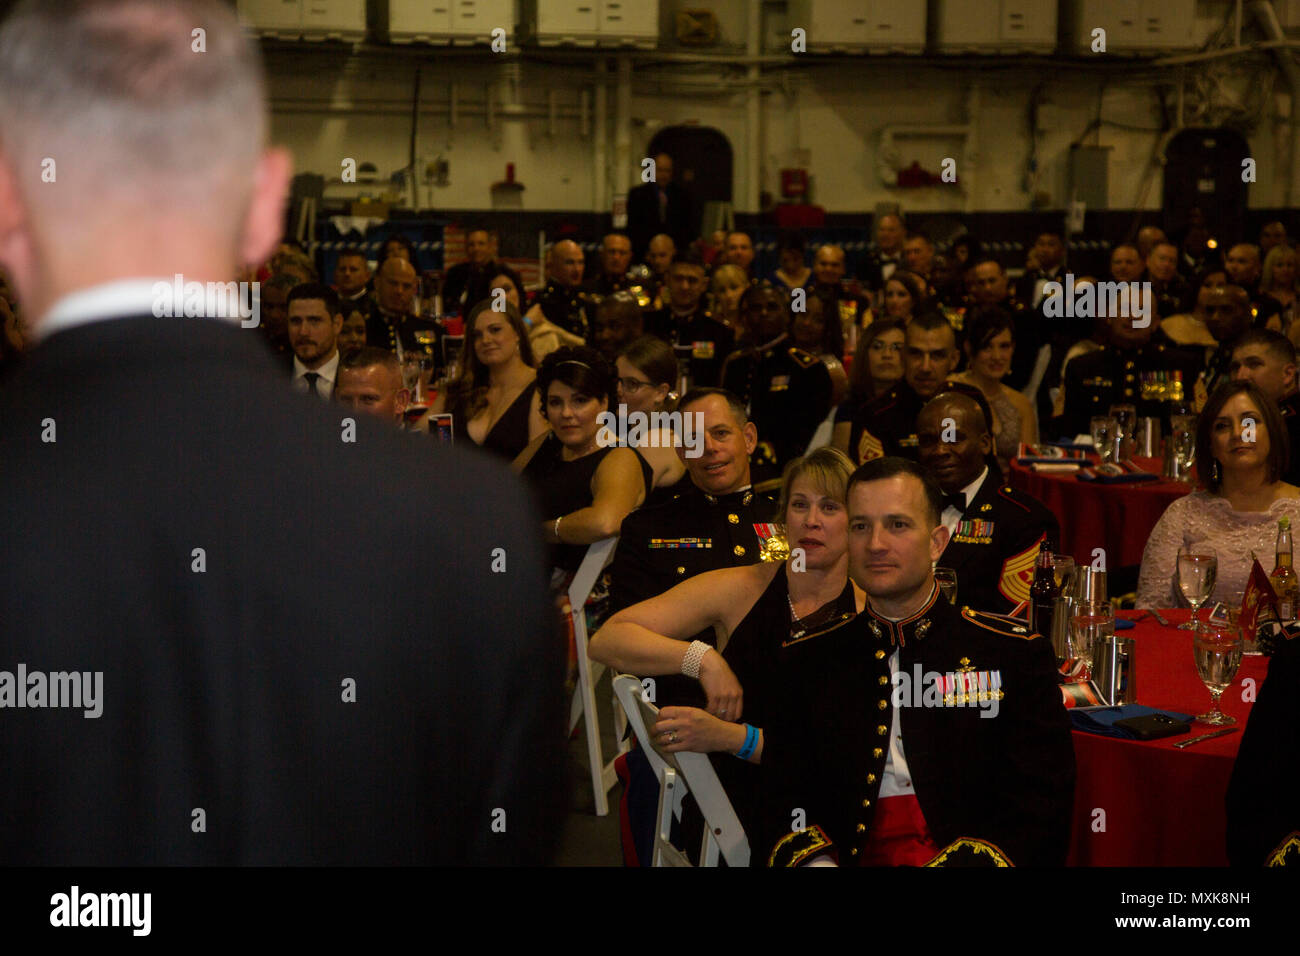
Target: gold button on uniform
(866,803)
(881,730)
(681,570)
(734,519)
(871,778)
(883,680)
(877,753)
(853,852)
(881,705)
(739,550)
(861,828)
(879,655)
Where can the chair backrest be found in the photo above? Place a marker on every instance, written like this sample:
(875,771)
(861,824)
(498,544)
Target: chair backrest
(722,826)
(599,554)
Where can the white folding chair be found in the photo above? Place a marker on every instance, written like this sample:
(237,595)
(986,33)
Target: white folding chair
(822,436)
(679,774)
(583,704)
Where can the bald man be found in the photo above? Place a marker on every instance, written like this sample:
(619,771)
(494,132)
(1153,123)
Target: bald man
(1147,238)
(469,282)
(887,253)
(659,255)
(1225,310)
(828,284)
(370,381)
(562,302)
(286,628)
(391,316)
(995,532)
(615,259)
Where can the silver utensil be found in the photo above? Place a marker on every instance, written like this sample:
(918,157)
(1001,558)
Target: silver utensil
(1159,620)
(1196,740)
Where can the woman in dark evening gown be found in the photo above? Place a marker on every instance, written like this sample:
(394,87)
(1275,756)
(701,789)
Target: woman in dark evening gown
(492,400)
(758,610)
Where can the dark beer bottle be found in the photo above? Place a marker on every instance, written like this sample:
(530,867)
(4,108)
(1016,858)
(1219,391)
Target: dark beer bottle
(1043,593)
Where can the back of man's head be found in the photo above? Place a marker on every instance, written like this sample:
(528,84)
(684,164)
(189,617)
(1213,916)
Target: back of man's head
(117,93)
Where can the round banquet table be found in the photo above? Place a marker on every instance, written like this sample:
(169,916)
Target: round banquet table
(1163,807)
(1116,517)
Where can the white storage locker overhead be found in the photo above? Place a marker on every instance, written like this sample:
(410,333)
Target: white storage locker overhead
(593,22)
(860,25)
(455,21)
(306,19)
(334,20)
(634,22)
(994,26)
(1133,26)
(273,18)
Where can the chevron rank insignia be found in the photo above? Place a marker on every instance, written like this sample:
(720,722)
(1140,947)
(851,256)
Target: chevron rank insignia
(869,447)
(1018,573)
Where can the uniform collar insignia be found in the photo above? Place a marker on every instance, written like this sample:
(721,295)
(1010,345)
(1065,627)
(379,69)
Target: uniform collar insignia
(919,621)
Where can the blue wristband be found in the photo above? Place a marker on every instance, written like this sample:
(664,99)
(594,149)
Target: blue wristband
(751,742)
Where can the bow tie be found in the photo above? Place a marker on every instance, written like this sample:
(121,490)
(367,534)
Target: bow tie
(957,501)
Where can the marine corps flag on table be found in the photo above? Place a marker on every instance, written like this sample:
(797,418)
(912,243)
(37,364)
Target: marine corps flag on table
(1258,602)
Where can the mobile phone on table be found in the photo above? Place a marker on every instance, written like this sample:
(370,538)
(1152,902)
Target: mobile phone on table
(1154,726)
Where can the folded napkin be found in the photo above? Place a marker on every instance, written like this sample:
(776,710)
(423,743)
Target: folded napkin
(1101,720)
(1123,624)
(1127,478)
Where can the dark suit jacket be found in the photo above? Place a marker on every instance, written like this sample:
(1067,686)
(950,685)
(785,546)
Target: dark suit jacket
(644,221)
(466,286)
(223,689)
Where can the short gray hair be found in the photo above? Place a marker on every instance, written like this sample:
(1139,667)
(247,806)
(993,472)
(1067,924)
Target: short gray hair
(116,93)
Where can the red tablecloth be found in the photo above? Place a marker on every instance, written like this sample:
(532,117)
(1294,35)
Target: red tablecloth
(1118,518)
(1163,807)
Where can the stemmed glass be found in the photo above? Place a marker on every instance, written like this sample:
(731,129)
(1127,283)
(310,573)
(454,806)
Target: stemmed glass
(1103,428)
(1217,649)
(1183,435)
(1091,622)
(1125,422)
(1198,568)
(947,580)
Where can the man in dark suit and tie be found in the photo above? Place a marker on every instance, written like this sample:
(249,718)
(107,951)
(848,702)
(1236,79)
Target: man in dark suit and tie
(222,689)
(315,321)
(660,205)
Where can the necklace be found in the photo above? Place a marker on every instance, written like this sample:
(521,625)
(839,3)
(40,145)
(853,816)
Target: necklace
(794,615)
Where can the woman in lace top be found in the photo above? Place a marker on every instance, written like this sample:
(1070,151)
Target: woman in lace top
(989,348)
(1238,510)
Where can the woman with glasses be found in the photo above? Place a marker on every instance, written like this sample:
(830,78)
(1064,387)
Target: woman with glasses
(647,373)
(877,367)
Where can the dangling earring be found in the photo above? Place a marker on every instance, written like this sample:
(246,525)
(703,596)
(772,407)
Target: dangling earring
(1216,473)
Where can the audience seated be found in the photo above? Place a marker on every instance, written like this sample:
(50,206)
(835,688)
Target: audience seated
(352,277)
(877,367)
(1242,451)
(829,286)
(905,296)
(994,531)
(886,253)
(370,381)
(755,610)
(392,317)
(561,301)
(493,400)
(615,259)
(467,283)
(584,487)
(792,271)
(352,334)
(989,344)
(739,252)
(787,390)
(728,284)
(1277,288)
(1268,359)
(887,425)
(314,324)
(701,340)
(647,376)
(818,330)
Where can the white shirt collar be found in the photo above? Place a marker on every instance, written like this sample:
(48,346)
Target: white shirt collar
(119,299)
(971,490)
(328,371)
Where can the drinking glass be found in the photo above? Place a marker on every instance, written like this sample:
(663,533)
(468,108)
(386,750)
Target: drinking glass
(1063,569)
(1125,418)
(1182,432)
(1198,568)
(1103,429)
(1091,622)
(1217,649)
(947,580)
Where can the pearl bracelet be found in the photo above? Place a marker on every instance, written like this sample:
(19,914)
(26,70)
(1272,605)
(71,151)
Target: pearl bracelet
(694,655)
(557,527)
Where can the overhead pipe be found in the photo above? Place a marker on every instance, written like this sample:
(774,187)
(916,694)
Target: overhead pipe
(600,197)
(623,127)
(753,107)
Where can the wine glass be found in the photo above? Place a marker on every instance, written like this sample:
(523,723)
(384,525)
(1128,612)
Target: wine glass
(947,580)
(1063,569)
(1182,432)
(1217,649)
(1091,622)
(1102,429)
(1198,568)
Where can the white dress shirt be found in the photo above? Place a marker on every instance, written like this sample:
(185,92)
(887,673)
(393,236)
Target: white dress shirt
(327,372)
(120,299)
(951,515)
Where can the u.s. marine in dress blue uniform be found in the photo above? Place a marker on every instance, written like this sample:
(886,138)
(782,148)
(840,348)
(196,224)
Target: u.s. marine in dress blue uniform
(994,787)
